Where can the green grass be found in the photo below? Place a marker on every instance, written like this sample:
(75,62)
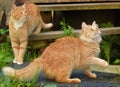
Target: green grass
(9,82)
(6,58)
(6,54)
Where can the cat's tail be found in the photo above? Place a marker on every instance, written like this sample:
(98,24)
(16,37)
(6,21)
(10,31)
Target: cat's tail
(43,24)
(24,74)
(47,25)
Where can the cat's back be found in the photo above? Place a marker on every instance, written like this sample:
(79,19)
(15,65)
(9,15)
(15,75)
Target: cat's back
(63,45)
(65,42)
(31,8)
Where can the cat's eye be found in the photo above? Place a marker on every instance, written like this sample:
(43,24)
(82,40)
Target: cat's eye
(96,30)
(25,12)
(92,29)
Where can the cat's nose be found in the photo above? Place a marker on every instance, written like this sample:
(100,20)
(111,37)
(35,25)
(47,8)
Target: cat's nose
(98,31)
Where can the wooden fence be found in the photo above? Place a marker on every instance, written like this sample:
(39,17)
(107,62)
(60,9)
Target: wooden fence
(66,5)
(58,34)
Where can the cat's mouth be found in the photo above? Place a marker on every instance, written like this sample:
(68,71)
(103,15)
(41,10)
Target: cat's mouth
(23,19)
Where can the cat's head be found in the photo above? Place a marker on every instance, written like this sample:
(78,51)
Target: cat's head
(19,13)
(90,33)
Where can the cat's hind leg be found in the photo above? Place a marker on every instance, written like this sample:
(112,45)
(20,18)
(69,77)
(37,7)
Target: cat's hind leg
(37,30)
(89,73)
(63,76)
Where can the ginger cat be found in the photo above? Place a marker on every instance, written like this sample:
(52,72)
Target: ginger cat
(65,54)
(24,20)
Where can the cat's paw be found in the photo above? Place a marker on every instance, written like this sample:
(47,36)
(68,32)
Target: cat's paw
(14,61)
(19,63)
(105,63)
(73,80)
(36,33)
(92,75)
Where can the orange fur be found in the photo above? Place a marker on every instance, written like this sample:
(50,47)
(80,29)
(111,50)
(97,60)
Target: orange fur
(65,54)
(24,20)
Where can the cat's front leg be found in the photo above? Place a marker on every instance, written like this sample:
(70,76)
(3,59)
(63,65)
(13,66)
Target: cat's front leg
(15,46)
(98,61)
(23,46)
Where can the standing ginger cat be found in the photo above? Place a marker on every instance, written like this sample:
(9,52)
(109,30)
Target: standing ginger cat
(61,57)
(24,20)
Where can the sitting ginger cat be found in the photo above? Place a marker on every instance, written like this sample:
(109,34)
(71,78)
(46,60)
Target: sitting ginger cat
(61,57)
(24,20)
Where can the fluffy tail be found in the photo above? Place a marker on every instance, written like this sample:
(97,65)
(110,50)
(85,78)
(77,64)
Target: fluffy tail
(47,26)
(25,74)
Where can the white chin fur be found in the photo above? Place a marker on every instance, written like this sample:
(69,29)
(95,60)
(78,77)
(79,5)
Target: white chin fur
(98,38)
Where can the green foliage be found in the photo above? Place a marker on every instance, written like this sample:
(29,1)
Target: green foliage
(110,46)
(108,24)
(6,58)
(3,31)
(51,85)
(6,81)
(10,82)
(106,47)
(117,61)
(68,30)
(6,55)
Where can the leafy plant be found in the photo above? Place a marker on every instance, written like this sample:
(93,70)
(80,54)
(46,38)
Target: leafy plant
(3,31)
(110,46)
(68,30)
(117,61)
(108,24)
(3,34)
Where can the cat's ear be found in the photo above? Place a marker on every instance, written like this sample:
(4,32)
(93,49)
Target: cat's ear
(14,7)
(24,6)
(94,22)
(83,25)
(94,25)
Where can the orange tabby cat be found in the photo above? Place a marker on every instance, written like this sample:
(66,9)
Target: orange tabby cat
(24,20)
(61,57)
